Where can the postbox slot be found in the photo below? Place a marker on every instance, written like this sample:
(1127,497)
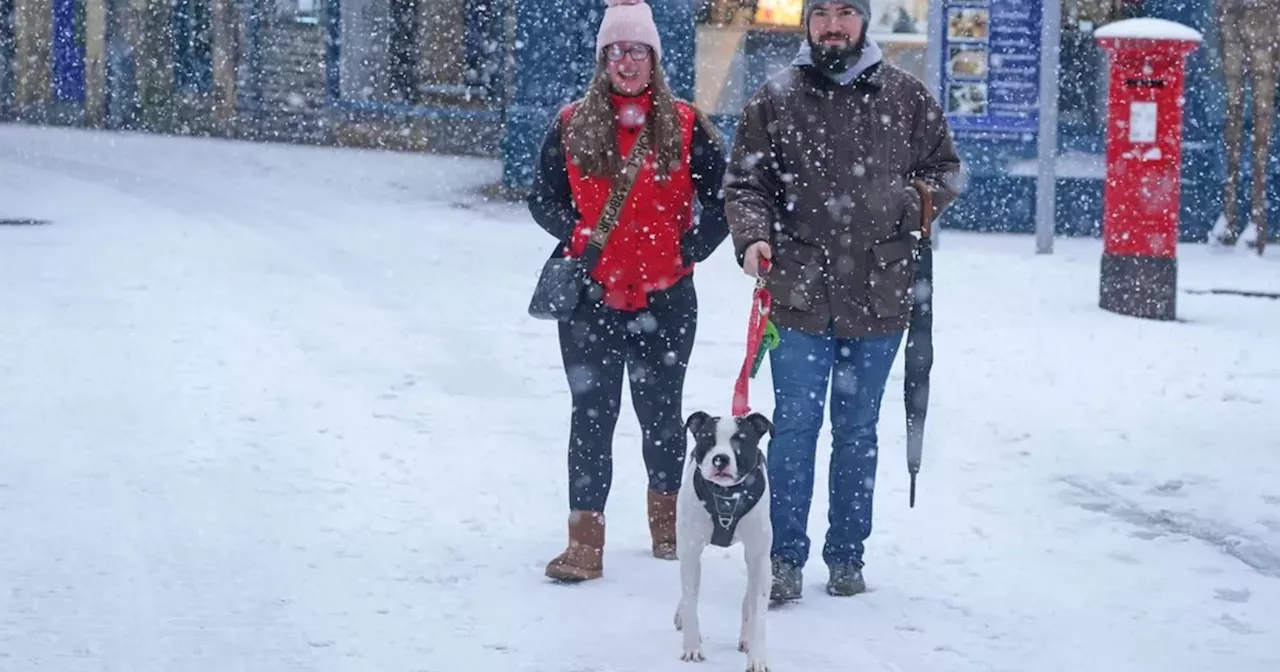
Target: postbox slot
(1145,82)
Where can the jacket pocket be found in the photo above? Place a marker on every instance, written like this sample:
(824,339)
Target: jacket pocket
(790,292)
(795,276)
(891,276)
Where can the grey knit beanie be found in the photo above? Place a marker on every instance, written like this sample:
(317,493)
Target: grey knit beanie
(863,7)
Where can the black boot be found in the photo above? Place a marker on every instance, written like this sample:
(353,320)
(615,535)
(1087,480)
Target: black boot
(846,580)
(788,580)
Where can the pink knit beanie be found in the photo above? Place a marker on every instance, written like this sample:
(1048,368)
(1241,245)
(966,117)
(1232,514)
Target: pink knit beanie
(628,21)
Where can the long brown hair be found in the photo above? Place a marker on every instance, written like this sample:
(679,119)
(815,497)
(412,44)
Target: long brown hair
(592,135)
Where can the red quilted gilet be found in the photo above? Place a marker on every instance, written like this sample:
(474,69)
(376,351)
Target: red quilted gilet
(643,252)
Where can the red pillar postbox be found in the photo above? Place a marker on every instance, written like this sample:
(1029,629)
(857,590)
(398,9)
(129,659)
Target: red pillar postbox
(1142,193)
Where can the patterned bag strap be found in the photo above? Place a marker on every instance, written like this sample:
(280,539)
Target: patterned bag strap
(617,197)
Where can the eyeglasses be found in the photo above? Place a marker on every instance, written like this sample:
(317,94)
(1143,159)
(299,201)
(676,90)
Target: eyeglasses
(639,52)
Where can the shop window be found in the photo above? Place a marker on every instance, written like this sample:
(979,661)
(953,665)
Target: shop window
(725,12)
(420,52)
(483,42)
(900,17)
(1082,87)
(308,12)
(742,42)
(403,30)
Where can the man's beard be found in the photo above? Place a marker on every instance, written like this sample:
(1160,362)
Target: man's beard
(837,59)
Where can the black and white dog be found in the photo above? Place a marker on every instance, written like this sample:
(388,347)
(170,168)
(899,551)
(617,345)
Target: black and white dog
(724,499)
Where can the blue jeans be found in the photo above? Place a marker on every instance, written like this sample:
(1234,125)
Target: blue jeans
(802,365)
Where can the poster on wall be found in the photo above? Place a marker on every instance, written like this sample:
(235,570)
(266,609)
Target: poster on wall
(990,70)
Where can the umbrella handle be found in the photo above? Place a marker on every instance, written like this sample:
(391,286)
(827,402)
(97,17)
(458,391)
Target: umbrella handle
(926,207)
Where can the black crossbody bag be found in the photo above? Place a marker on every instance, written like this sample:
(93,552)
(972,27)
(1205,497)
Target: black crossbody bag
(564,279)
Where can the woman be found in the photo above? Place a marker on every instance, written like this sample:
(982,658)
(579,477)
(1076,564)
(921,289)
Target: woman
(639,313)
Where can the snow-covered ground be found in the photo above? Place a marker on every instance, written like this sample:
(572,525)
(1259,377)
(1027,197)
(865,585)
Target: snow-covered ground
(270,408)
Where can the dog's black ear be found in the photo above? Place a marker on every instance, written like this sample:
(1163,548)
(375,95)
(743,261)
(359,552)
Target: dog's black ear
(760,423)
(697,421)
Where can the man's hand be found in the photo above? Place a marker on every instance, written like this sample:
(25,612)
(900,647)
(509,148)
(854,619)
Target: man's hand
(751,259)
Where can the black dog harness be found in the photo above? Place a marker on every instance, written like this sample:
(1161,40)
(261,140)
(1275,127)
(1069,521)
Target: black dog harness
(728,505)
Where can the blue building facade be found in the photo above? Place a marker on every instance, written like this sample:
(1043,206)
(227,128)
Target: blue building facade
(486,76)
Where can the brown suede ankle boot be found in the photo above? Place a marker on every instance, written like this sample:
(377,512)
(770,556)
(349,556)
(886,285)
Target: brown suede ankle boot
(583,560)
(662,525)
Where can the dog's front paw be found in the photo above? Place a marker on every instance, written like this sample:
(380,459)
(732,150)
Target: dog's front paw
(691,643)
(757,665)
(693,655)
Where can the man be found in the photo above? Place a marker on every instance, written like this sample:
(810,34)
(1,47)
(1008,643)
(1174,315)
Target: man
(831,163)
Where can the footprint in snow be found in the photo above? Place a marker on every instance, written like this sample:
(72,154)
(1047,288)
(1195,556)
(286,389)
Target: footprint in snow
(1123,557)
(1229,595)
(1167,489)
(1235,625)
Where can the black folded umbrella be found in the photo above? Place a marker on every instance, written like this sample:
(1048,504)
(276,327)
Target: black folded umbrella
(919,360)
(919,356)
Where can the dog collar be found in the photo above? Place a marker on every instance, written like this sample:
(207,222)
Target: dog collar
(729,504)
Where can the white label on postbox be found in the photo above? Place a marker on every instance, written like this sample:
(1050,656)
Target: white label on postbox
(1142,122)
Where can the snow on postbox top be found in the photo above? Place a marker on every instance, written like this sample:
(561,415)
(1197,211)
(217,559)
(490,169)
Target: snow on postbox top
(1148,34)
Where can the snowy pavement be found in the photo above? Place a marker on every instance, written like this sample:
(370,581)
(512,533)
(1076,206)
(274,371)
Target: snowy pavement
(268,408)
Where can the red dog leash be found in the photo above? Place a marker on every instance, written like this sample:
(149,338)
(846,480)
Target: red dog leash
(756,326)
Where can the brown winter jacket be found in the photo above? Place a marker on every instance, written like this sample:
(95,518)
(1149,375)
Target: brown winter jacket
(824,173)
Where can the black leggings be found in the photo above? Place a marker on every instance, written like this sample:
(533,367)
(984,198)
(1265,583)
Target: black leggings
(654,347)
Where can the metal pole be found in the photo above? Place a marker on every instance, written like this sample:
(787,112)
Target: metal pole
(1047,150)
(935,20)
